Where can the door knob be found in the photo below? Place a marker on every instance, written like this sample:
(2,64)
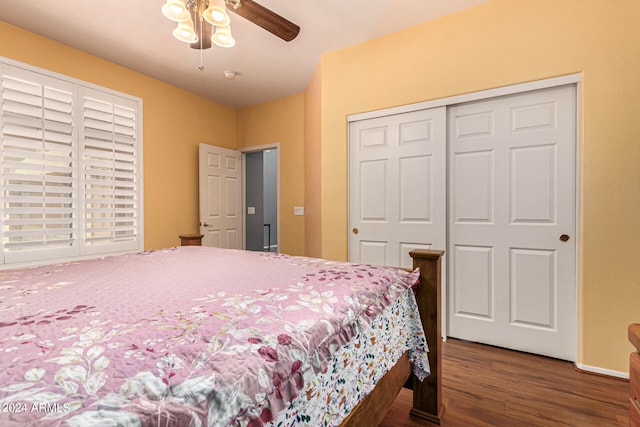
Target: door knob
(204,224)
(564,237)
(355,230)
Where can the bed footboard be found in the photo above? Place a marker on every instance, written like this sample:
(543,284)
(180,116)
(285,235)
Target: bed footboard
(427,395)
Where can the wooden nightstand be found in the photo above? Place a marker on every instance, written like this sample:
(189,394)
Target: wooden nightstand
(191,239)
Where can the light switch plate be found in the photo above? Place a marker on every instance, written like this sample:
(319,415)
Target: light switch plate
(251,210)
(298,210)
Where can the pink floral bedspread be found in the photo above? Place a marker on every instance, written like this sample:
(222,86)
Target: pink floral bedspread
(185,336)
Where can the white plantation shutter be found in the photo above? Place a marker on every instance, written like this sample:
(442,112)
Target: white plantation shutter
(38,161)
(109,139)
(70,171)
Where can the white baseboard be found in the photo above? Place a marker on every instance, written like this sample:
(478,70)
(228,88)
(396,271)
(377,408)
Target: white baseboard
(601,371)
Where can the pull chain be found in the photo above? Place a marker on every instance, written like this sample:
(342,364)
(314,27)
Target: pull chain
(201,66)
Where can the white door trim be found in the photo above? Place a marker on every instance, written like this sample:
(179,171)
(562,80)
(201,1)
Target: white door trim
(253,149)
(576,79)
(473,96)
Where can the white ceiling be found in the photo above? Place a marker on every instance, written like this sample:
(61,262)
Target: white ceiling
(135,34)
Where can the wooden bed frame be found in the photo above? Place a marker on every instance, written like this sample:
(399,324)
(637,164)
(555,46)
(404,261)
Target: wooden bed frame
(427,395)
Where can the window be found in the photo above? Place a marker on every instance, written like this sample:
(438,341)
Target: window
(70,168)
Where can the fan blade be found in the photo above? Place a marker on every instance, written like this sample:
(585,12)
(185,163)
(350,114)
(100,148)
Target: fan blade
(267,19)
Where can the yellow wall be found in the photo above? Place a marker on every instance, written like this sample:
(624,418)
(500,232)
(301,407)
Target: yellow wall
(281,121)
(312,165)
(504,42)
(174,122)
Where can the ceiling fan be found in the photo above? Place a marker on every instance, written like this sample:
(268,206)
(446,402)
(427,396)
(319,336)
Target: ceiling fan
(265,18)
(197,18)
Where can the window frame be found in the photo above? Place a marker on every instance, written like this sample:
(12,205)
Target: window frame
(80,248)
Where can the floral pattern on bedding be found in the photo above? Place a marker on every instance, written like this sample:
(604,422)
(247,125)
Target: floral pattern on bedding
(356,367)
(184,336)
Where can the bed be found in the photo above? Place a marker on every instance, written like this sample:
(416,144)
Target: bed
(195,336)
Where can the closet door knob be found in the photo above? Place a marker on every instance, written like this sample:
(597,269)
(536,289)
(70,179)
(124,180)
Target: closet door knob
(355,230)
(564,238)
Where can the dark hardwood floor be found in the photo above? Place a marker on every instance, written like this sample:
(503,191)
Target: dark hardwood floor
(489,386)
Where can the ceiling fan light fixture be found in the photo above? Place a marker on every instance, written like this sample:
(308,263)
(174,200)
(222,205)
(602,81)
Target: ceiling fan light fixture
(216,13)
(222,37)
(197,18)
(175,10)
(185,32)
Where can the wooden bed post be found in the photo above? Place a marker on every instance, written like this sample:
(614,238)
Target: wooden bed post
(427,395)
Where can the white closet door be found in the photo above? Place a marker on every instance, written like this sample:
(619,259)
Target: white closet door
(397,182)
(512,251)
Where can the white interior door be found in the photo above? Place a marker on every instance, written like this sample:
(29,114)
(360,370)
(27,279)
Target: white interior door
(220,180)
(512,222)
(397,182)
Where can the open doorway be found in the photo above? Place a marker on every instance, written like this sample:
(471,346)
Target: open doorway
(261,200)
